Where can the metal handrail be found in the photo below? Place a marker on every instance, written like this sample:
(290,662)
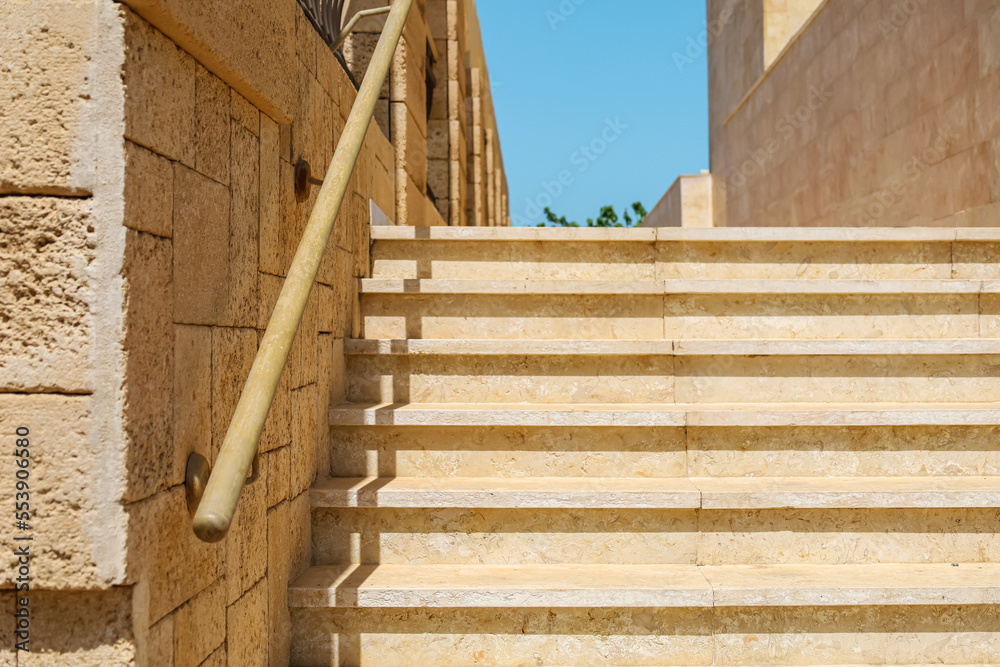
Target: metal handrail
(217,504)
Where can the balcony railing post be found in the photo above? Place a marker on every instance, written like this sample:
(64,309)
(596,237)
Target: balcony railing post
(229,474)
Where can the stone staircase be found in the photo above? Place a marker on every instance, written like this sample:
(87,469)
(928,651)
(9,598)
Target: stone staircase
(664,447)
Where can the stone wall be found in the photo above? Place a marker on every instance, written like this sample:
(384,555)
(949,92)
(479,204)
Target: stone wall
(147,219)
(879,113)
(443,126)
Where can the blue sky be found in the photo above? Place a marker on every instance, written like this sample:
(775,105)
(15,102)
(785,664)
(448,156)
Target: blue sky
(601,75)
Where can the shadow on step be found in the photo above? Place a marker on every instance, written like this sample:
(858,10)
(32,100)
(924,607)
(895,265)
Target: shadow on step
(905,635)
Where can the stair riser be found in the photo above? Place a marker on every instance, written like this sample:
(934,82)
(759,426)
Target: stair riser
(680,260)
(679,317)
(665,379)
(662,537)
(508,452)
(639,452)
(506,379)
(773,636)
(887,451)
(499,537)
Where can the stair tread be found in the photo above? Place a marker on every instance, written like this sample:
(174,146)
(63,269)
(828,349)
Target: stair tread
(402,586)
(848,492)
(718,234)
(660,493)
(537,492)
(771,347)
(673,414)
(414,286)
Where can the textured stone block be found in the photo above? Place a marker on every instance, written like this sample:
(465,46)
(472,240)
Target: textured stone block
(304,446)
(69,523)
(217,659)
(270,245)
(438,140)
(254,59)
(45,255)
(438,182)
(149,191)
(192,397)
(244,230)
(278,563)
(201,249)
(212,126)
(411,203)
(306,41)
(246,543)
(164,551)
(410,143)
(45,147)
(149,364)
(246,628)
(408,84)
(200,626)
(80,628)
(160,100)
(233,352)
(159,646)
(358,51)
(244,113)
(275,466)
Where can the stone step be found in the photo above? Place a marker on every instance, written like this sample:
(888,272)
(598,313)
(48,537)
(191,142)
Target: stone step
(875,254)
(861,636)
(679,348)
(624,288)
(662,493)
(640,415)
(647,586)
(697,372)
(680,309)
(644,441)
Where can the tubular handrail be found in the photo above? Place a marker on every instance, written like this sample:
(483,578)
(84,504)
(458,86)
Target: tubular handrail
(239,449)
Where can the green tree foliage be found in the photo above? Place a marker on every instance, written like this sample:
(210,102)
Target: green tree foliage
(607,218)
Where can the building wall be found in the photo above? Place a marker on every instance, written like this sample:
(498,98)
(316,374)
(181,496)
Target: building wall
(445,134)
(880,113)
(147,218)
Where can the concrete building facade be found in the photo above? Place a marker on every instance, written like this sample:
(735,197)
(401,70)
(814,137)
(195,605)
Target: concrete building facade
(857,113)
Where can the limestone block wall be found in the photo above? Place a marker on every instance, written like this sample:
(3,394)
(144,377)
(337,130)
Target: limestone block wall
(688,203)
(439,115)
(880,113)
(147,218)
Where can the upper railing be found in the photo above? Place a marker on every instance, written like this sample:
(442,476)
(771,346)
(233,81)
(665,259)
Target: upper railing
(217,504)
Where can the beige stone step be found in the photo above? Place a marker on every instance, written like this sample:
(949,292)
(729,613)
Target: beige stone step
(626,372)
(625,288)
(720,415)
(848,492)
(644,441)
(877,254)
(541,493)
(407,586)
(680,309)
(663,493)
(691,348)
